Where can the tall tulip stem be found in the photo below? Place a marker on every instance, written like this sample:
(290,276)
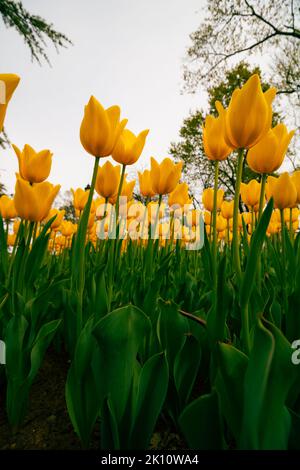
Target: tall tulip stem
(214,250)
(83,223)
(119,193)
(262,194)
(235,239)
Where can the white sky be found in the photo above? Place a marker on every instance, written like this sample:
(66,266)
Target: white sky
(126,52)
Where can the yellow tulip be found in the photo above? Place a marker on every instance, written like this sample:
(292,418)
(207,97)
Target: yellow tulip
(207,218)
(208,198)
(146,184)
(270,185)
(227,209)
(127,191)
(108,180)
(246,217)
(250,193)
(268,154)
(33,166)
(8,84)
(221,223)
(67,228)
(179,196)
(296,180)
(273,227)
(7,208)
(33,202)
(193,217)
(80,197)
(249,114)
(16,226)
(287,214)
(100,128)
(11,239)
(284,192)
(58,219)
(214,143)
(165,175)
(129,147)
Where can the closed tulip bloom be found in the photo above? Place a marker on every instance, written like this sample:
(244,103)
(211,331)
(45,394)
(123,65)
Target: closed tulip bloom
(33,202)
(214,144)
(249,114)
(180,196)
(146,184)
(11,239)
(58,219)
(7,208)
(9,83)
(246,216)
(80,197)
(127,191)
(16,226)
(227,209)
(100,128)
(221,223)
(287,214)
(273,227)
(268,154)
(296,180)
(284,192)
(108,180)
(33,166)
(207,218)
(129,147)
(250,193)
(66,228)
(270,185)
(208,198)
(165,175)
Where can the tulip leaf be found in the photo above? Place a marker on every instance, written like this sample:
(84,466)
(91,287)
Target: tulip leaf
(151,393)
(119,336)
(201,424)
(254,254)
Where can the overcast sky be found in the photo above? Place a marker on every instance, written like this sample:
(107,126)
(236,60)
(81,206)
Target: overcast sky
(126,52)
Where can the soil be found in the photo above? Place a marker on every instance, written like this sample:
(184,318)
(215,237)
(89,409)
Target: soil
(47,425)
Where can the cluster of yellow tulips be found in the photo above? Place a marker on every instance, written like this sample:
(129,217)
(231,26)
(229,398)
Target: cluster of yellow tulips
(103,134)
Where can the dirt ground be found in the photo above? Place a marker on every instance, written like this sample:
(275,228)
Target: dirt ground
(47,424)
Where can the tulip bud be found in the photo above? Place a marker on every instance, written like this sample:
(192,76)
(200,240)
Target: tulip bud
(129,147)
(165,176)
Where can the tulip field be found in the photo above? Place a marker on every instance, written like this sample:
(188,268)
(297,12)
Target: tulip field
(171,313)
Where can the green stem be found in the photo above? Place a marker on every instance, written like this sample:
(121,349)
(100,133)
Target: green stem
(291,224)
(118,196)
(214,250)
(83,223)
(235,239)
(284,267)
(262,194)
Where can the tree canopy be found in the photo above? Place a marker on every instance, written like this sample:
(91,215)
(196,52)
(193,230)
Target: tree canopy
(236,28)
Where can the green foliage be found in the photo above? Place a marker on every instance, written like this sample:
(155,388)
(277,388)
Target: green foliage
(32,28)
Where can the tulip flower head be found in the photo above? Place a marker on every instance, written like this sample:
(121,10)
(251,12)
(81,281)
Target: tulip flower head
(34,166)
(249,114)
(268,154)
(284,191)
(227,209)
(250,193)
(58,219)
(7,208)
(129,147)
(33,202)
(108,180)
(179,197)
(165,175)
(214,143)
(296,180)
(8,84)
(80,197)
(100,128)
(146,184)
(208,198)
